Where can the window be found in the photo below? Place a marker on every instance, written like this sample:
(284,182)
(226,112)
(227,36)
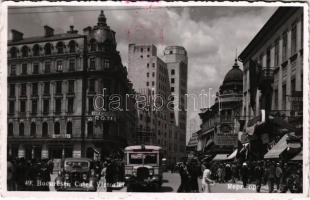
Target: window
(58,87)
(35,68)
(153,83)
(57,128)
(11,107)
(70,105)
(59,66)
(141,50)
(284,97)
(294,39)
(13,52)
(36,50)
(48,49)
(33,129)
(93,45)
(147,65)
(10,129)
(172,72)
(58,106)
(92,63)
(106,64)
(153,74)
(34,89)
(148,49)
(147,74)
(22,106)
(44,129)
(46,89)
(172,80)
(141,56)
(284,47)
(147,83)
(47,67)
(12,90)
(90,131)
(72,45)
(24,68)
(34,106)
(60,47)
(91,88)
(72,65)
(13,70)
(90,104)
(71,86)
(69,128)
(46,106)
(25,51)
(153,65)
(276,53)
(21,129)
(172,89)
(268,58)
(23,90)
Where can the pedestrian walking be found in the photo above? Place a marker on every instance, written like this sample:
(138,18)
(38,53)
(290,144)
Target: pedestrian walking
(279,174)
(184,186)
(244,174)
(258,174)
(194,172)
(271,170)
(206,179)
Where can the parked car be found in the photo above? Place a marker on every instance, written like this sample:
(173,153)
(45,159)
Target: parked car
(76,176)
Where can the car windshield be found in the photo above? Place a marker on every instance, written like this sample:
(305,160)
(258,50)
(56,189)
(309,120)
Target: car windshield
(139,158)
(77,164)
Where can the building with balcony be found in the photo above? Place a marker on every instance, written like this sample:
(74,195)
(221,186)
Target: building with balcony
(275,55)
(54,82)
(220,123)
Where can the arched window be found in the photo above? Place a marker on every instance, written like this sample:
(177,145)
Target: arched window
(72,46)
(36,50)
(57,128)
(69,128)
(13,52)
(45,129)
(25,50)
(93,45)
(60,47)
(10,129)
(48,49)
(33,129)
(21,129)
(90,131)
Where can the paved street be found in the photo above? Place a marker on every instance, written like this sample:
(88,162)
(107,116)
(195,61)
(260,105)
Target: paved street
(171,183)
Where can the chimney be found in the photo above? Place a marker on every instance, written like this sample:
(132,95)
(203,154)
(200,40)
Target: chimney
(16,35)
(87,30)
(72,30)
(49,31)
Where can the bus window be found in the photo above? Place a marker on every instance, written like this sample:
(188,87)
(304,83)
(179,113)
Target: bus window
(150,158)
(135,158)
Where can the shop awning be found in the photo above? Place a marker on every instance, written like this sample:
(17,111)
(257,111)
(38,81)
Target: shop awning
(298,156)
(232,155)
(277,149)
(219,157)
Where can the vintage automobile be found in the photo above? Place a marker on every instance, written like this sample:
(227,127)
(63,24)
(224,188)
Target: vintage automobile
(76,176)
(143,168)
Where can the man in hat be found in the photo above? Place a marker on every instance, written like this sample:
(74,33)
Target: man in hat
(244,174)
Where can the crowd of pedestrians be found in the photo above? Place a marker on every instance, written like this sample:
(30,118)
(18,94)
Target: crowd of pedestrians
(276,175)
(36,174)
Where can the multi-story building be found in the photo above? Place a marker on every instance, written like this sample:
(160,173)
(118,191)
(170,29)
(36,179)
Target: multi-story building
(218,132)
(150,77)
(54,82)
(277,50)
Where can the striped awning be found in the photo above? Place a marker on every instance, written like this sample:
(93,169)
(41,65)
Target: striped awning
(232,155)
(298,156)
(219,157)
(277,149)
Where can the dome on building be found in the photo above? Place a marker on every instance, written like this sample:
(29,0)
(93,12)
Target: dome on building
(234,75)
(233,79)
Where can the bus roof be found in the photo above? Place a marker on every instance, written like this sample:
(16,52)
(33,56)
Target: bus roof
(141,147)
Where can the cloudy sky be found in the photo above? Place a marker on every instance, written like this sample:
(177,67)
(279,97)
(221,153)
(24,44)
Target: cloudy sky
(210,35)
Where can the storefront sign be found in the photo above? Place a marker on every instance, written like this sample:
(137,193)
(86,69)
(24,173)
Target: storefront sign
(104,116)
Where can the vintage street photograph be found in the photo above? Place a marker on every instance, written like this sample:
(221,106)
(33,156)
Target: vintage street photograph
(151,98)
